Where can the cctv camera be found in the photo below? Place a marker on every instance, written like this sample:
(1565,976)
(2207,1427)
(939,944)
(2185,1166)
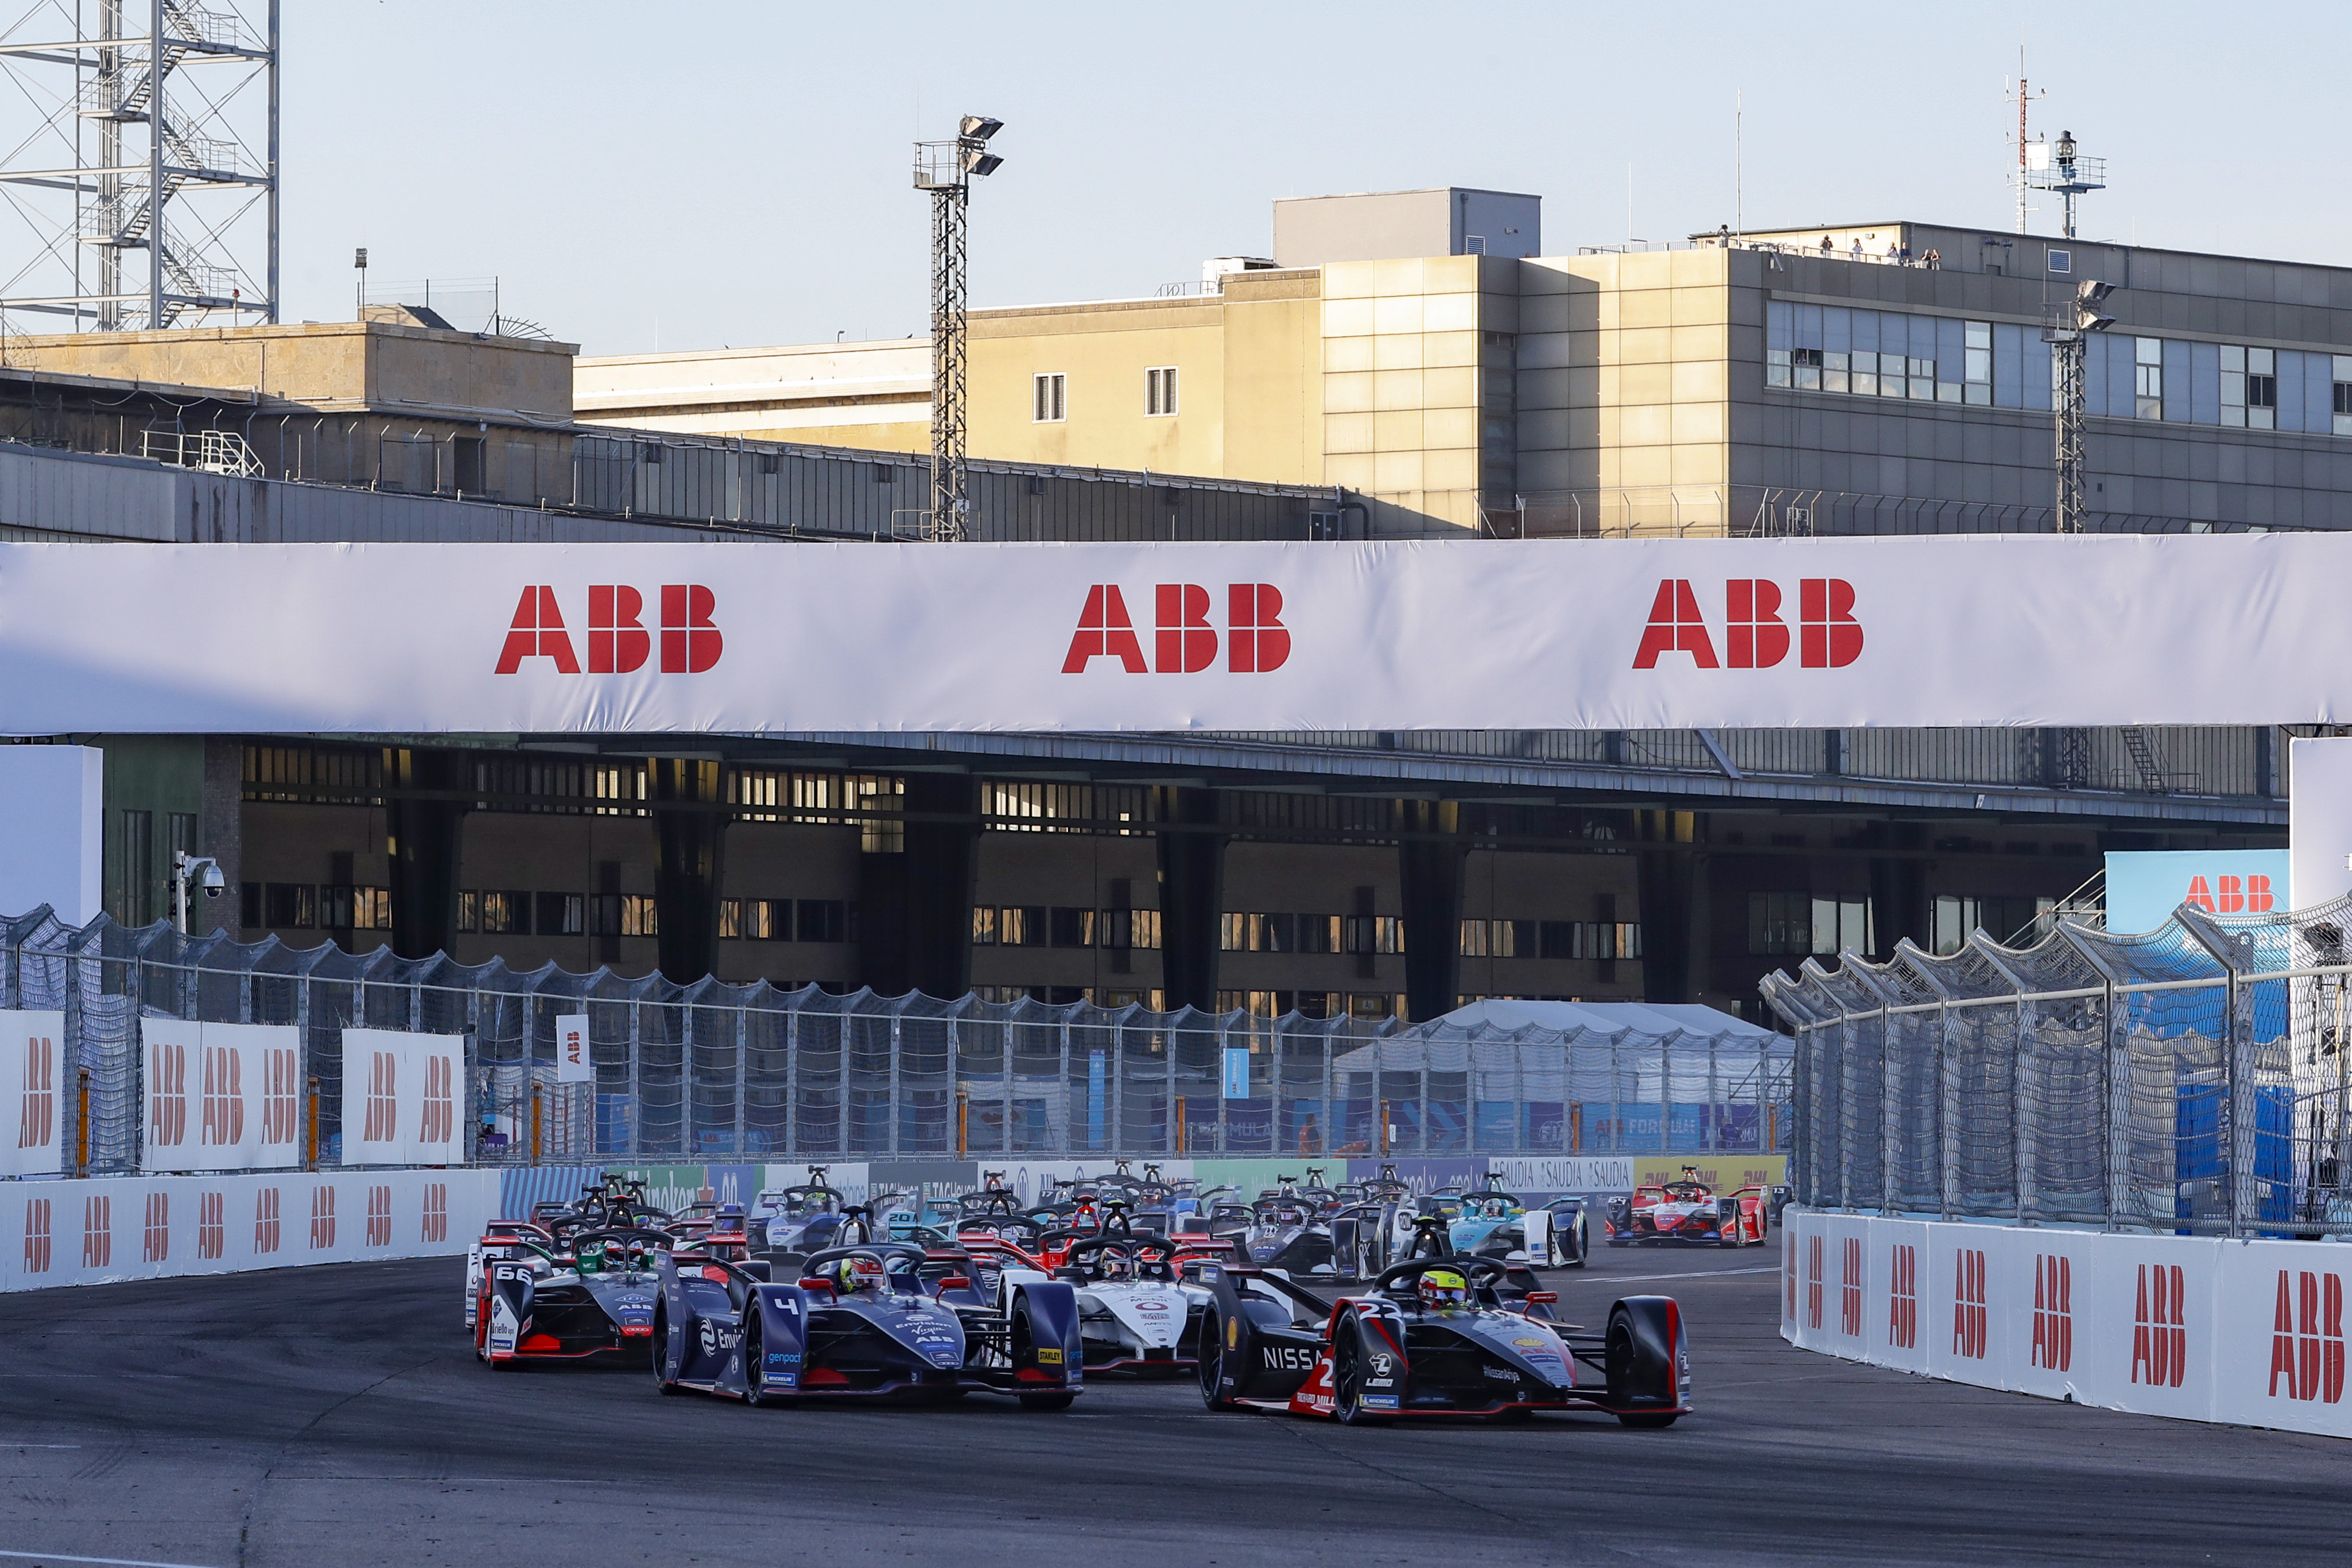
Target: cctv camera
(212,881)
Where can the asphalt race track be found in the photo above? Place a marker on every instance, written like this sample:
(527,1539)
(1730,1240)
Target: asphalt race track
(336,1415)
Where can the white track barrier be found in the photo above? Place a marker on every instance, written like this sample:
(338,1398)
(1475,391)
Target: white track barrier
(2249,1332)
(106,1228)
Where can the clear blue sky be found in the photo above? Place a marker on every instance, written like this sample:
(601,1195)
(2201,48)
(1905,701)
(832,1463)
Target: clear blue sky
(712,173)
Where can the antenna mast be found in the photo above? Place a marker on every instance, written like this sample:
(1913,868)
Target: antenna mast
(2024,97)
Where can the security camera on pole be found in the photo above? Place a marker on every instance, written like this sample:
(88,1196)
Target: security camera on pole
(2072,320)
(191,871)
(947,168)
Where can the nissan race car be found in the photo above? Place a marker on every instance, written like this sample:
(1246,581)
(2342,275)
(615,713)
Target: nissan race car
(596,1304)
(1688,1211)
(1134,1311)
(1436,1336)
(883,1321)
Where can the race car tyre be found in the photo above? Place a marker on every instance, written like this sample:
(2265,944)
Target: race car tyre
(1061,1401)
(755,1367)
(661,1356)
(1209,1356)
(1348,1377)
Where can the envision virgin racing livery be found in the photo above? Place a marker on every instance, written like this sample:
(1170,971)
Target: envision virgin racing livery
(1271,1344)
(925,1333)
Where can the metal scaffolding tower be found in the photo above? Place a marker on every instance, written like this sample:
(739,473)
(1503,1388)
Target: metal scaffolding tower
(2072,321)
(142,162)
(947,168)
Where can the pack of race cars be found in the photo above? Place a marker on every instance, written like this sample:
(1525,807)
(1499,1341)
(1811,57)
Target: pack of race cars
(1362,1302)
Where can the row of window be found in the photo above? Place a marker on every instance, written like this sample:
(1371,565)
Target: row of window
(1552,938)
(300,906)
(1310,934)
(1049,402)
(1801,923)
(2002,364)
(1312,1003)
(787,920)
(1039,925)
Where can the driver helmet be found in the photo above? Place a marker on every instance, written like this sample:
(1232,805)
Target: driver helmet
(857,1272)
(1114,1263)
(1443,1290)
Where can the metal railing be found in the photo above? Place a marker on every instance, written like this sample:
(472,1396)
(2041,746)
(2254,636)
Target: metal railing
(713,1070)
(2193,1079)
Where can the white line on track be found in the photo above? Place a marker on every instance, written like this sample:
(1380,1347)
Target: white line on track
(7,1445)
(109,1561)
(1694,1274)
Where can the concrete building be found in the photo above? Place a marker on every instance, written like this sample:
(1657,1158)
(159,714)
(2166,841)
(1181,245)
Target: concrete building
(1715,386)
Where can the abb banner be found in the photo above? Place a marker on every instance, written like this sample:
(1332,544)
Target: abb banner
(220,1097)
(2244,1331)
(105,1229)
(33,1065)
(769,637)
(403,1098)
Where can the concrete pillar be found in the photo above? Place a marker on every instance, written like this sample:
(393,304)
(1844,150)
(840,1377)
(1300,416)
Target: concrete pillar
(1192,896)
(1429,858)
(1665,917)
(914,907)
(689,811)
(425,798)
(1898,902)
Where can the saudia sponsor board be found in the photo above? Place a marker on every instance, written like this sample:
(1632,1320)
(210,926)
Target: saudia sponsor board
(1406,634)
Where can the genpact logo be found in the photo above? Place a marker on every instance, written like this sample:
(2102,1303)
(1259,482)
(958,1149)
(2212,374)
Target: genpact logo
(1183,642)
(618,640)
(1754,635)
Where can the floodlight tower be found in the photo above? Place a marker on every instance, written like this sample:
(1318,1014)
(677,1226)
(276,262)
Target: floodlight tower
(2060,166)
(947,168)
(2072,320)
(144,162)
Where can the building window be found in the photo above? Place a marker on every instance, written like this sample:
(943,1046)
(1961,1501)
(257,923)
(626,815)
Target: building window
(1071,927)
(1047,406)
(2019,922)
(1807,364)
(1801,923)
(2062,261)
(2343,395)
(1158,391)
(1116,928)
(638,917)
(469,912)
(1499,939)
(2147,378)
(823,919)
(2262,389)
(1978,384)
(466,460)
(558,914)
(505,913)
(289,906)
(135,864)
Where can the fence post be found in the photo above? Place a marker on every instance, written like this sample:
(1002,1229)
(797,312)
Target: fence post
(742,1076)
(1118,1084)
(898,1019)
(2115,1104)
(636,1087)
(1224,1026)
(1062,1085)
(793,1081)
(1845,1107)
(1665,1097)
(2237,1061)
(955,1083)
(1175,1137)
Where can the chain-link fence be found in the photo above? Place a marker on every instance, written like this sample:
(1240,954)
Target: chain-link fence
(2194,1079)
(714,1070)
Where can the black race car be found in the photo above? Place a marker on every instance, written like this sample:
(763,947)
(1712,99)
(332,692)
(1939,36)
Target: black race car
(1288,1231)
(594,1303)
(1269,1343)
(929,1331)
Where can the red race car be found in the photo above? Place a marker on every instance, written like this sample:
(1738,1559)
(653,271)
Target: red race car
(1689,1211)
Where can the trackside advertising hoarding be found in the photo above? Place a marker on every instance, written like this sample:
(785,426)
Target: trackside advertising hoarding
(769,638)
(2243,1331)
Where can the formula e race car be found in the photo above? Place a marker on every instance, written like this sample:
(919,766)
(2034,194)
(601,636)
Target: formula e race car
(1688,1211)
(1136,1313)
(1436,1336)
(1492,1223)
(787,1224)
(916,1327)
(595,1303)
(1288,1231)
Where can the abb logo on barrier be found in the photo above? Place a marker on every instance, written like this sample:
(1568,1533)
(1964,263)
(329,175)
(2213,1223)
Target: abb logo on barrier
(266,1230)
(36,1125)
(619,642)
(1969,1324)
(279,1108)
(97,1232)
(2307,1337)
(1903,1297)
(2159,1327)
(167,1096)
(36,1236)
(383,1108)
(157,1241)
(2053,1312)
(1754,637)
(322,1217)
(1183,640)
(2232,896)
(436,1211)
(440,1106)
(224,1089)
(1850,1289)
(379,1219)
(1812,1281)
(1789,1283)
(212,1228)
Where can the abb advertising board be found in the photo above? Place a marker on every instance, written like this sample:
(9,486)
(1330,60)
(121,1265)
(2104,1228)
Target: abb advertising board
(104,1228)
(32,1063)
(220,1097)
(2243,1331)
(403,1098)
(772,637)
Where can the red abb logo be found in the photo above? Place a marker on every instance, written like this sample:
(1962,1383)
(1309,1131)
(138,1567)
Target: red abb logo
(224,1101)
(1903,1297)
(36,1125)
(1968,1320)
(1850,1289)
(618,639)
(279,1108)
(266,1231)
(379,1219)
(212,1231)
(440,1107)
(1812,1281)
(1754,635)
(1789,1283)
(158,1237)
(383,1104)
(322,1217)
(436,1211)
(97,1232)
(2159,1327)
(2053,1311)
(1183,640)
(2307,1338)
(2232,896)
(167,1096)
(36,1236)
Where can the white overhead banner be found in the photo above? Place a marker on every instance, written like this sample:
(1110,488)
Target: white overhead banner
(220,1097)
(32,1063)
(573,1064)
(404,1101)
(765,638)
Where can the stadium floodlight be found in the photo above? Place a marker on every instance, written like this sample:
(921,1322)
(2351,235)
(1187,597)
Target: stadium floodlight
(2072,321)
(978,128)
(979,164)
(946,169)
